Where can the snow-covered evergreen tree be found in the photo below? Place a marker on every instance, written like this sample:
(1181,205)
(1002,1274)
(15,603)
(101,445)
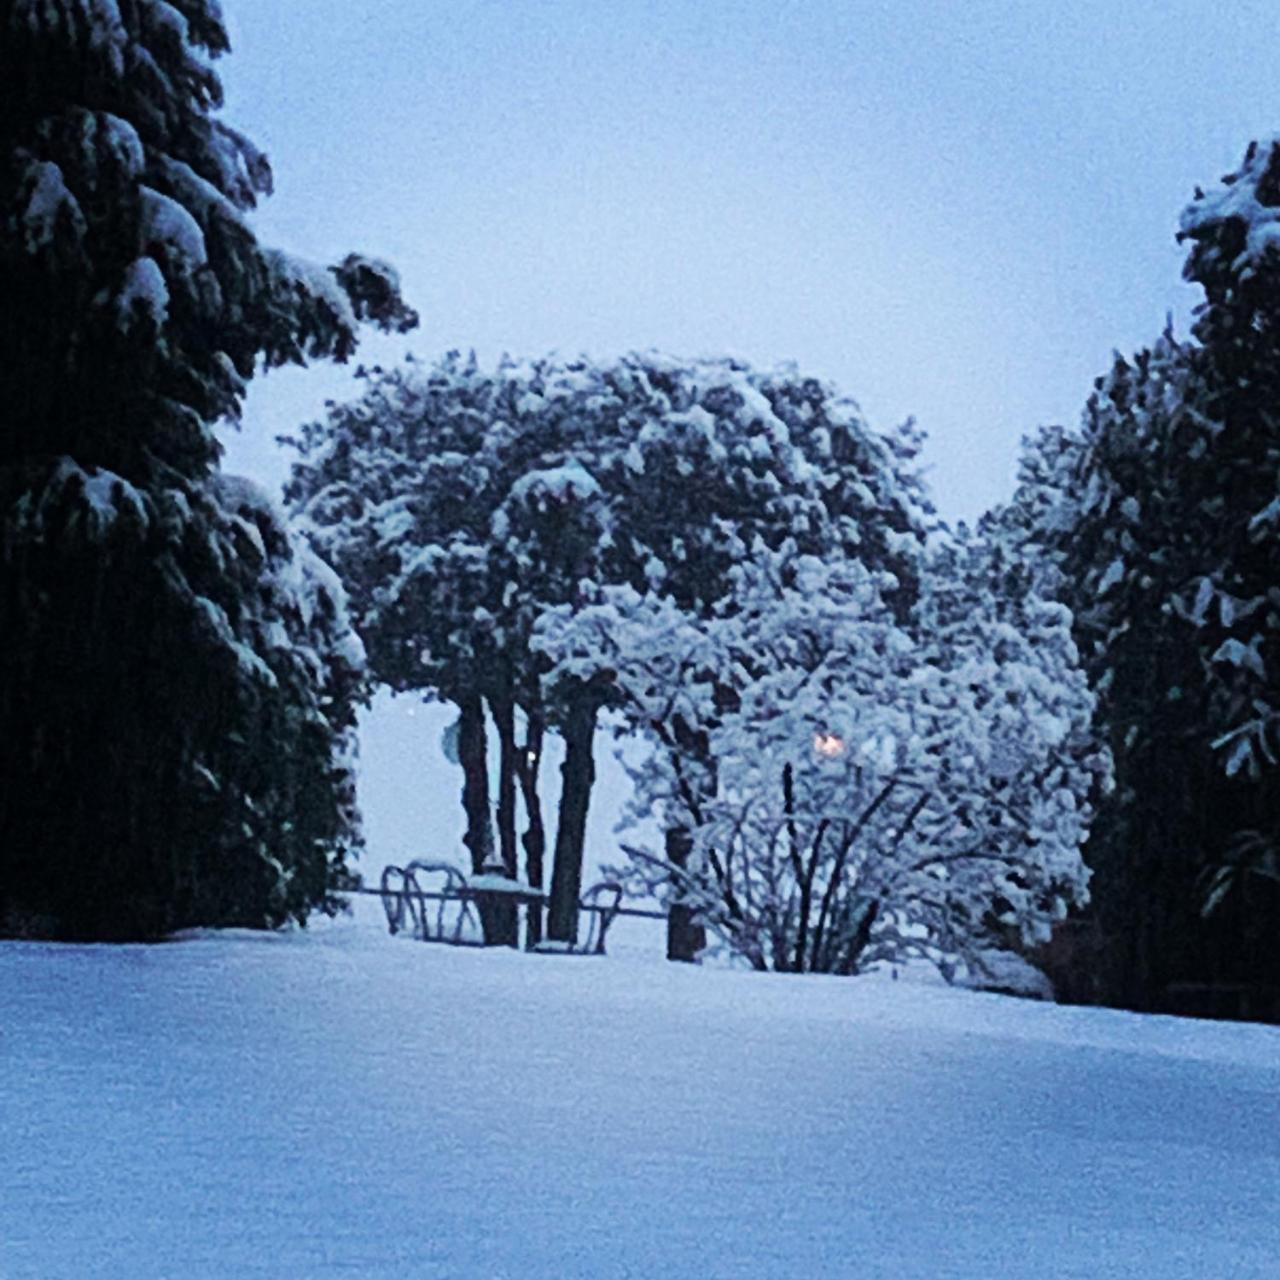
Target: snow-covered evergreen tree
(1234,231)
(1101,518)
(1154,524)
(175,676)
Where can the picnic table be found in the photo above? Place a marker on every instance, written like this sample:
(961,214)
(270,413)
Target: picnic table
(438,902)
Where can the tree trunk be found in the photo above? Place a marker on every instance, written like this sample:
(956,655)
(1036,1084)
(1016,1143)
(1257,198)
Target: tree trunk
(504,719)
(685,938)
(578,772)
(803,877)
(861,937)
(506,915)
(473,756)
(528,764)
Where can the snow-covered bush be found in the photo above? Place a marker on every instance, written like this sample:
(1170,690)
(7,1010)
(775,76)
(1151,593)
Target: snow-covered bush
(855,788)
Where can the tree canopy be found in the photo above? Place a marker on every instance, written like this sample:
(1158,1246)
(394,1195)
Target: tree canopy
(176,676)
(1155,524)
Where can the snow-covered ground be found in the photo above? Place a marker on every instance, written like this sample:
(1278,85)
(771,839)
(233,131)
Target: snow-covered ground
(340,1103)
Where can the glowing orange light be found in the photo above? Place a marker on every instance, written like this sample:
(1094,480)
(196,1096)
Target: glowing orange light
(828,744)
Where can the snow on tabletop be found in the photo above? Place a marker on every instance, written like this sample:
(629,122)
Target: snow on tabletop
(342,1103)
(501,884)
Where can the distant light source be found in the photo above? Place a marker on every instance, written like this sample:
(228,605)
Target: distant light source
(828,744)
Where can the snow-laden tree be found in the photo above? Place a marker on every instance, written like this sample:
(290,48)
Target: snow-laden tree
(166,761)
(1234,232)
(1155,524)
(453,510)
(178,704)
(138,300)
(461,504)
(870,787)
(1106,521)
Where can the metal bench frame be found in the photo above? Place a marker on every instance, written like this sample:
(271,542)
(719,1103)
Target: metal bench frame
(449,913)
(453,919)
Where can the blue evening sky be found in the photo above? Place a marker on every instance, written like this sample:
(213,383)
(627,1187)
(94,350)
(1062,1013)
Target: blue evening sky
(953,210)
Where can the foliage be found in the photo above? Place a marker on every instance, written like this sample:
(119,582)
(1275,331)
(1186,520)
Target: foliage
(870,789)
(1154,524)
(198,768)
(176,676)
(459,503)
(462,506)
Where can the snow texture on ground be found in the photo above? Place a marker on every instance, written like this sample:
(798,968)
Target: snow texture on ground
(340,1103)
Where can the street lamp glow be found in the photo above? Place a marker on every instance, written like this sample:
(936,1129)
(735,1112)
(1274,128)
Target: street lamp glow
(828,744)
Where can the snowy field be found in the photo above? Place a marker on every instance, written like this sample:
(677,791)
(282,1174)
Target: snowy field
(340,1103)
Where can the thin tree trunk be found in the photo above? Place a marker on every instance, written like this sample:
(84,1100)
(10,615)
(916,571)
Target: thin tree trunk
(861,937)
(528,765)
(837,872)
(685,938)
(506,914)
(504,720)
(475,782)
(473,756)
(578,772)
(805,877)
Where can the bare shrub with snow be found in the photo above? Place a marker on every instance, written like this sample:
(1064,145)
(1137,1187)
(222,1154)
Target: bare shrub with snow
(855,787)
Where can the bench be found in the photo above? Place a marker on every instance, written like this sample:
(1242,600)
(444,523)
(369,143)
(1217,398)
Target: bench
(429,900)
(437,902)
